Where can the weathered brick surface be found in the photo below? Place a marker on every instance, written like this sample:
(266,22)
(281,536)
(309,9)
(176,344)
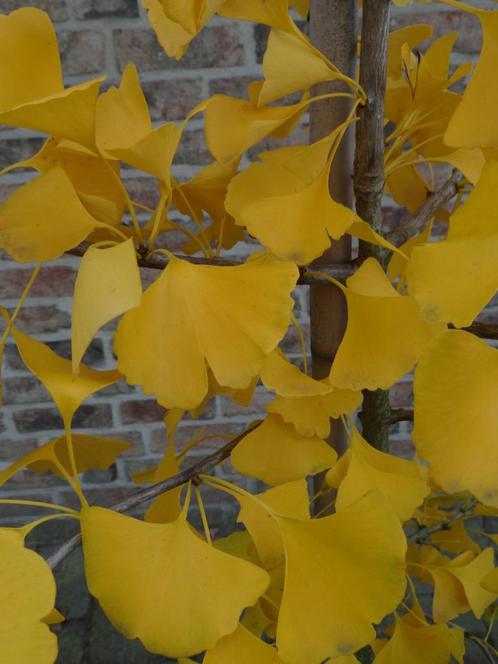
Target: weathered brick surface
(218,46)
(56,8)
(172,100)
(88,9)
(82,52)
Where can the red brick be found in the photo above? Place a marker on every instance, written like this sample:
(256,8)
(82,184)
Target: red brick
(143,190)
(27,480)
(94,356)
(18,149)
(56,8)
(24,389)
(467,26)
(98,476)
(10,512)
(402,447)
(234,86)
(43,319)
(82,52)
(12,449)
(53,281)
(172,100)
(88,9)
(192,149)
(33,420)
(256,407)
(146,410)
(218,46)
(402,395)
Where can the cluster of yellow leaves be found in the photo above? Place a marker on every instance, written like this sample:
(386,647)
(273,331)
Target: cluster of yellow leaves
(288,588)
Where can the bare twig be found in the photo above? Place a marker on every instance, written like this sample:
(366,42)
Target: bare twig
(340,271)
(401,415)
(426,532)
(482,645)
(202,466)
(417,223)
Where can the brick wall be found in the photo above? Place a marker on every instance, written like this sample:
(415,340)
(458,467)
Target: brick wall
(101,36)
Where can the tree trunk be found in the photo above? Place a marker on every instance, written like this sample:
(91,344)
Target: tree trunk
(369,177)
(333,29)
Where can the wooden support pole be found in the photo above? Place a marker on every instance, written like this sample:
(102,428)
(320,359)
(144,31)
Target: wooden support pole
(369,176)
(333,30)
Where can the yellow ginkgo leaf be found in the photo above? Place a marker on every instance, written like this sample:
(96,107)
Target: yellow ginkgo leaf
(453,280)
(122,114)
(290,500)
(275,453)
(335,586)
(457,581)
(206,191)
(167,506)
(229,317)
(108,285)
(291,63)
(397,333)
(397,265)
(288,380)
(242,647)
(234,125)
(411,35)
(369,469)
(311,415)
(56,374)
(177,22)
(490,582)
(458,376)
(412,645)
(274,13)
(455,539)
(92,177)
(171,577)
(27,590)
(33,94)
(44,218)
(473,123)
(285,202)
(155,152)
(54,618)
(471,576)
(89,452)
(124,129)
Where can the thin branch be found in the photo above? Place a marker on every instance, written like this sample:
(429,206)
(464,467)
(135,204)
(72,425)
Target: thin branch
(401,415)
(482,645)
(417,223)
(369,177)
(483,330)
(426,532)
(340,271)
(202,466)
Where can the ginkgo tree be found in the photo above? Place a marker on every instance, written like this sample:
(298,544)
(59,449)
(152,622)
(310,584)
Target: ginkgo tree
(292,583)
